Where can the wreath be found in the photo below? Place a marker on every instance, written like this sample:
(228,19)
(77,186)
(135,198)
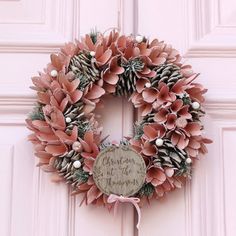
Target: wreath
(66,133)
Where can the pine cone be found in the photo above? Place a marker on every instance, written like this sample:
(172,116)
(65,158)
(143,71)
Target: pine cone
(84,68)
(77,119)
(170,156)
(64,165)
(127,82)
(167,73)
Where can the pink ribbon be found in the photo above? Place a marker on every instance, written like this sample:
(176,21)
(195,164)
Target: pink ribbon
(133,200)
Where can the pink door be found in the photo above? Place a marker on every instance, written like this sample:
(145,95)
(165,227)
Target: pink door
(203,30)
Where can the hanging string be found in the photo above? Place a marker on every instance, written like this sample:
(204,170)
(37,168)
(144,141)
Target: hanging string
(120,199)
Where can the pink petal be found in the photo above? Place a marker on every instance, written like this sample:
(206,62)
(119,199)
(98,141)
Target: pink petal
(144,51)
(191,78)
(88,108)
(88,164)
(43,154)
(160,128)
(164,93)
(157,175)
(136,144)
(196,92)
(183,112)
(156,182)
(88,41)
(206,140)
(158,61)
(175,138)
(161,115)
(56,150)
(88,137)
(114,68)
(63,104)
(70,49)
(68,139)
(154,43)
(104,58)
(192,152)
(110,78)
(86,147)
(43,97)
(159,191)
(160,175)
(177,183)
(84,187)
(56,178)
(57,119)
(128,53)
(179,87)
(167,186)
(136,98)
(136,52)
(176,105)
(181,122)
(194,144)
(109,88)
(57,61)
(71,86)
(95,92)
(41,126)
(171,118)
(193,128)
(148,149)
(49,138)
(121,41)
(141,84)
(182,143)
(47,168)
(93,194)
(146,71)
(145,109)
(76,96)
(149,95)
(186,71)
(149,132)
(58,95)
(40,83)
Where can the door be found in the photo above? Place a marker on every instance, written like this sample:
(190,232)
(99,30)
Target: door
(205,33)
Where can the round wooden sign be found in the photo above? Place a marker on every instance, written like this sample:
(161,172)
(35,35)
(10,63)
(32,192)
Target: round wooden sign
(119,170)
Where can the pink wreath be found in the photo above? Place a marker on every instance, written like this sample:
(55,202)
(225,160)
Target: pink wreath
(66,134)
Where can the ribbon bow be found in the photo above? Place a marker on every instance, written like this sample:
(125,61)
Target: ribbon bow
(133,200)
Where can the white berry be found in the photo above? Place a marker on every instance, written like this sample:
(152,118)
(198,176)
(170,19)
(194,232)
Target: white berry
(77,164)
(139,38)
(92,53)
(76,146)
(68,119)
(195,105)
(159,142)
(188,160)
(148,85)
(54,73)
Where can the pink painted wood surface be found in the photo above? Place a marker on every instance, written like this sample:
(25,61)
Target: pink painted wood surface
(204,31)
